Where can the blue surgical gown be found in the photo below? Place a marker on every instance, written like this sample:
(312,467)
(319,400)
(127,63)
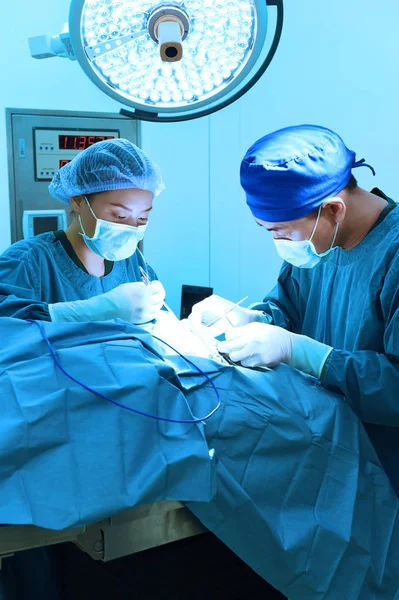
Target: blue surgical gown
(40,271)
(34,273)
(350,301)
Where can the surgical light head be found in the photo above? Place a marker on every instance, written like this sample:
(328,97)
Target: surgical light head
(108,165)
(168,60)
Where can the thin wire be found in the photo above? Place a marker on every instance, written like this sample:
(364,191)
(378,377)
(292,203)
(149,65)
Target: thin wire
(135,410)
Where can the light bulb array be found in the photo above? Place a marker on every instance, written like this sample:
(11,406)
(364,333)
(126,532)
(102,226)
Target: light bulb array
(122,53)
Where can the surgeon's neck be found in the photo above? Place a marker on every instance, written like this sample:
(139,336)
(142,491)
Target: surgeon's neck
(95,265)
(362,211)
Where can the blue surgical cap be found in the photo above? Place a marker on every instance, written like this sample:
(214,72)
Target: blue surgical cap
(109,165)
(287,174)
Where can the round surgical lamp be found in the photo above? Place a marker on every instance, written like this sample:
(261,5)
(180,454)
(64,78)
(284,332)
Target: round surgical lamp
(170,61)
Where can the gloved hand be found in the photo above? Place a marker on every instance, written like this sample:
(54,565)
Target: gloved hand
(133,302)
(207,310)
(257,344)
(261,344)
(136,302)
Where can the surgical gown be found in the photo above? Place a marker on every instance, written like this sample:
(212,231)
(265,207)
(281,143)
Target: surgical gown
(34,273)
(44,270)
(350,301)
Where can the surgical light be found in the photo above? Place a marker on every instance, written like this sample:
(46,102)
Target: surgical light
(168,61)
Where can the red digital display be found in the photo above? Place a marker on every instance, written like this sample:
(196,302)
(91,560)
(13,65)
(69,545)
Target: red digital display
(80,142)
(63,163)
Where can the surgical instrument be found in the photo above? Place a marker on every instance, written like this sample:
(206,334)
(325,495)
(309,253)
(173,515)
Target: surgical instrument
(147,281)
(226,312)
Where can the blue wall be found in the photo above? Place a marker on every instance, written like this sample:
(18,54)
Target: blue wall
(337,65)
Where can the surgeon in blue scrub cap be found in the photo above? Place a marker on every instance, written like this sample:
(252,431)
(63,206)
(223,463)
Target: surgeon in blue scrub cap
(334,313)
(90,271)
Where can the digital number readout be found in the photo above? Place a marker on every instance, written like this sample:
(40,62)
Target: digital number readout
(80,142)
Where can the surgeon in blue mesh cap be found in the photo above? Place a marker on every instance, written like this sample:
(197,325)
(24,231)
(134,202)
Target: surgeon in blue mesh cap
(115,164)
(334,313)
(93,270)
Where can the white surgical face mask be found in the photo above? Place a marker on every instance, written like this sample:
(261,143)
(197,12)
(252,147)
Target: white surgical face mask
(113,241)
(303,253)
